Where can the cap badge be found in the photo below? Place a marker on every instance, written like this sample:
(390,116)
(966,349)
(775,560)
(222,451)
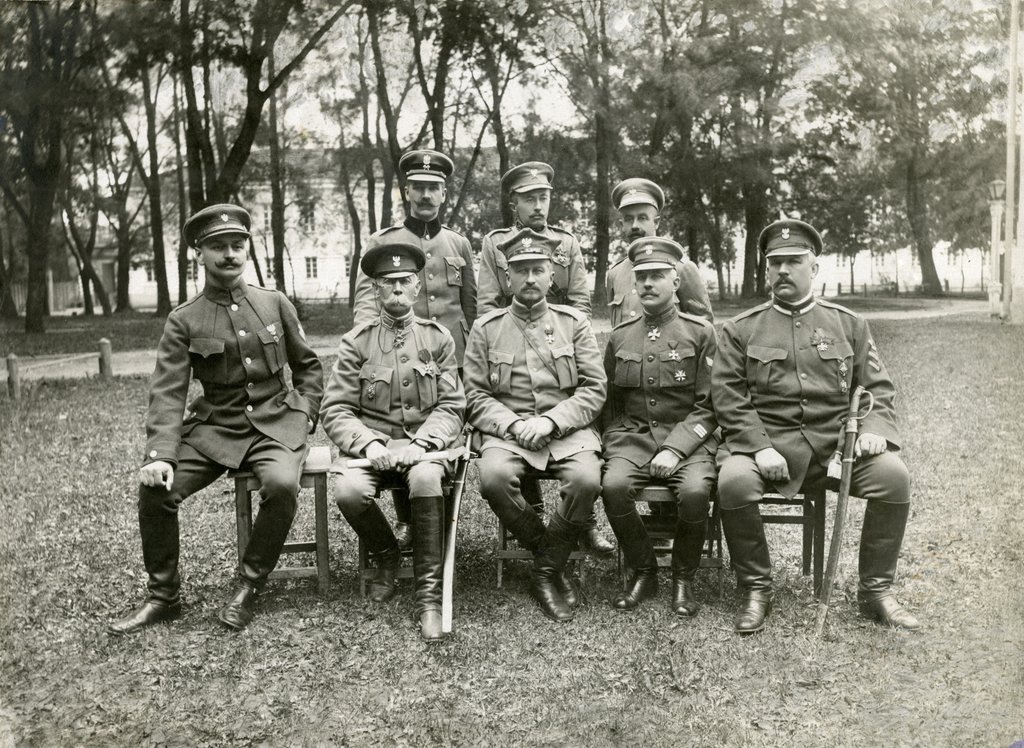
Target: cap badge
(648,250)
(396,260)
(224,217)
(632,191)
(426,161)
(527,241)
(533,172)
(785,233)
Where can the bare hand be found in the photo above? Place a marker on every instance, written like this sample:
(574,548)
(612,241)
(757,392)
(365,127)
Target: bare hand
(380,457)
(409,454)
(157,473)
(665,463)
(535,433)
(869,444)
(772,465)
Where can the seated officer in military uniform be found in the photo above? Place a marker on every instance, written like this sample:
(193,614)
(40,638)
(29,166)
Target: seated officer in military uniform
(447,278)
(640,202)
(235,339)
(781,385)
(528,190)
(393,395)
(534,385)
(659,424)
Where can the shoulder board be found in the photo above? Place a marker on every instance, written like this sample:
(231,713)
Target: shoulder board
(837,307)
(381,232)
(753,310)
(483,319)
(454,231)
(362,327)
(568,310)
(618,262)
(188,302)
(431,323)
(260,291)
(696,319)
(560,230)
(627,323)
(502,230)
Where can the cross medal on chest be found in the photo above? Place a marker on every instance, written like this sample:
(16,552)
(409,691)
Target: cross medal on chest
(654,333)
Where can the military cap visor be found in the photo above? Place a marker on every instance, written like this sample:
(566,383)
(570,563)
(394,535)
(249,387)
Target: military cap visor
(426,166)
(216,220)
(654,253)
(789,238)
(533,175)
(637,191)
(392,260)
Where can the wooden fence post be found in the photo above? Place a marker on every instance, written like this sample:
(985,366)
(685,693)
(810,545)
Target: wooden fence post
(13,380)
(106,360)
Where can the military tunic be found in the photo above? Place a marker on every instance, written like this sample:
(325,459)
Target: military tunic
(523,362)
(783,379)
(659,397)
(624,303)
(449,294)
(569,273)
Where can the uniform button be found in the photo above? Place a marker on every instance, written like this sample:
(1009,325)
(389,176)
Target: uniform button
(248,408)
(429,255)
(434,318)
(804,401)
(152,453)
(797,324)
(650,358)
(633,291)
(654,423)
(430,276)
(650,380)
(532,325)
(251,386)
(405,359)
(405,382)
(234,307)
(431,297)
(803,376)
(632,314)
(241,333)
(248,360)
(653,401)
(405,405)
(276,338)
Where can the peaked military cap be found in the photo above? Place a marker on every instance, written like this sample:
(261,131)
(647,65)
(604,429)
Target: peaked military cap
(789,237)
(392,260)
(637,191)
(653,252)
(426,166)
(533,175)
(222,218)
(529,245)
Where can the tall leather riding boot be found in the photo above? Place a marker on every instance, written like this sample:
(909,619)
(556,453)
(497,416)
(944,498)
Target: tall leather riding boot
(687,548)
(530,489)
(269,532)
(427,553)
(372,528)
(748,549)
(880,541)
(160,549)
(548,563)
(403,517)
(639,553)
(592,540)
(526,527)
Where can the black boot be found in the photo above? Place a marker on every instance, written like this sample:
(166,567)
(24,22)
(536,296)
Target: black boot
(269,532)
(237,612)
(160,548)
(532,495)
(687,548)
(372,528)
(403,518)
(593,541)
(527,528)
(880,541)
(427,553)
(748,549)
(548,563)
(639,554)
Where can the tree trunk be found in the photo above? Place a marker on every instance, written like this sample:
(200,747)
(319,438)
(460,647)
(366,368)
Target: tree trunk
(156,212)
(755,214)
(917,215)
(603,137)
(182,204)
(124,265)
(277,196)
(8,309)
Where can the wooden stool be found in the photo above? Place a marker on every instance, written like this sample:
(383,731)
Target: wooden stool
(503,552)
(662,534)
(314,475)
(812,517)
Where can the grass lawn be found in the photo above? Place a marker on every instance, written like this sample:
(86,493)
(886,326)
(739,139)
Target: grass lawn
(341,671)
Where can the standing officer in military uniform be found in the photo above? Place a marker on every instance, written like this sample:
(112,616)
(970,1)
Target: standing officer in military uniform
(394,394)
(659,425)
(534,385)
(639,202)
(235,339)
(528,189)
(781,385)
(448,279)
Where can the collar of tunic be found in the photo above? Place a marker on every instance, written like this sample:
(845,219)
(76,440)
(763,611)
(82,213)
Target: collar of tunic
(795,308)
(529,313)
(428,229)
(663,317)
(396,323)
(225,296)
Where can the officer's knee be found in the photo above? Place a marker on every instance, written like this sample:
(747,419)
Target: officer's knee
(154,500)
(496,475)
(739,482)
(353,495)
(425,479)
(279,486)
(616,492)
(693,504)
(887,479)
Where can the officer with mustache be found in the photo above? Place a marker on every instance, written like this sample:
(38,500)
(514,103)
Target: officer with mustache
(781,385)
(235,339)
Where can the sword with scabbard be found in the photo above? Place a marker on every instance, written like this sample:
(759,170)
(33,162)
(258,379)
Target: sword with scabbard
(844,467)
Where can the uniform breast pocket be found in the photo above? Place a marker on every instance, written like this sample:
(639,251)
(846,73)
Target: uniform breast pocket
(760,362)
(208,360)
(273,346)
(560,272)
(499,372)
(565,366)
(426,384)
(627,369)
(836,367)
(453,266)
(678,368)
(375,388)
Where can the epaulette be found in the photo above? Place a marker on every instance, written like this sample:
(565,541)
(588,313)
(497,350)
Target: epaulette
(630,321)
(381,232)
(560,230)
(694,318)
(502,229)
(455,231)
(486,317)
(569,310)
(432,323)
(837,307)
(617,262)
(188,302)
(362,327)
(753,310)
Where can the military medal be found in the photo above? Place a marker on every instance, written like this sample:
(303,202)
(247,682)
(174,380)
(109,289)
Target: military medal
(680,375)
(654,333)
(549,334)
(842,377)
(271,329)
(371,390)
(673,355)
(820,340)
(494,377)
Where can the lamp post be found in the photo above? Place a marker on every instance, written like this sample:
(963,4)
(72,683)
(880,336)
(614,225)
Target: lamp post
(996,195)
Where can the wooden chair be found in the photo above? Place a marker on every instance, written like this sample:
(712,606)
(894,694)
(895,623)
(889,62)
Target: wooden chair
(662,530)
(314,475)
(811,517)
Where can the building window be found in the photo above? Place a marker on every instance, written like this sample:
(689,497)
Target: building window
(307,215)
(150,275)
(266,218)
(311,268)
(192,270)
